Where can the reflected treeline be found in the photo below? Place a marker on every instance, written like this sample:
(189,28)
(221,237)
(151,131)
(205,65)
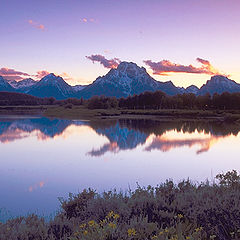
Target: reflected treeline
(216,128)
(124,134)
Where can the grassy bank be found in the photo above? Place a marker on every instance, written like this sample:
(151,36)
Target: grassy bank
(168,211)
(82,112)
(23,110)
(70,111)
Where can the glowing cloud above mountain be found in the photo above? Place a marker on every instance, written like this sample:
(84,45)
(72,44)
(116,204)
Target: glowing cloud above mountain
(165,66)
(12,74)
(107,63)
(41,74)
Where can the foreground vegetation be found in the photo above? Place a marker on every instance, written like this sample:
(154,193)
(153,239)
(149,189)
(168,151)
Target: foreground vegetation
(168,211)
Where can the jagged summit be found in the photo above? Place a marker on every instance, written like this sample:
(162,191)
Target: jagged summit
(52,86)
(126,80)
(192,89)
(130,67)
(128,70)
(25,83)
(219,84)
(51,78)
(219,78)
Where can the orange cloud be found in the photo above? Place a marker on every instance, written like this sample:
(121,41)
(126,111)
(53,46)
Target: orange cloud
(36,25)
(165,66)
(43,73)
(107,63)
(66,76)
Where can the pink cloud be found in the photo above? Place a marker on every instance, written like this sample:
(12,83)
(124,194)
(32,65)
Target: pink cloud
(165,66)
(163,144)
(36,25)
(41,74)
(66,76)
(88,20)
(11,74)
(107,63)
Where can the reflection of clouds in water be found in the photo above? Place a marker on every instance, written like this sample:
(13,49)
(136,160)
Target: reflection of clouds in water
(36,186)
(122,135)
(12,135)
(167,142)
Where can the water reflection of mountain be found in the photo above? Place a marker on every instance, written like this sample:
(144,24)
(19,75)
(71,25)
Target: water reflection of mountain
(124,134)
(12,129)
(128,134)
(120,137)
(126,138)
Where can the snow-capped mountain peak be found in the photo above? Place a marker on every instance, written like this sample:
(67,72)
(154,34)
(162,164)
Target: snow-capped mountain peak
(222,80)
(51,78)
(219,84)
(25,83)
(52,86)
(126,80)
(192,89)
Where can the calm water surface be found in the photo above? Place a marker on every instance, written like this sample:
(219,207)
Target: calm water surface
(43,159)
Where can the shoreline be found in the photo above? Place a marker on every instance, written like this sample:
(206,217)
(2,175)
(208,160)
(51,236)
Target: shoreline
(83,113)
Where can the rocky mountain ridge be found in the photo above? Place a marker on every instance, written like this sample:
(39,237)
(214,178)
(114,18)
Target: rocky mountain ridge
(126,80)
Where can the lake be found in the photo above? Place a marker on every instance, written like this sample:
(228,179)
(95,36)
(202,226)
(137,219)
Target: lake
(43,159)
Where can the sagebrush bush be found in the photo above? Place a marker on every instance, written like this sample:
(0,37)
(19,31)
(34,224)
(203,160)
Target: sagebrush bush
(168,211)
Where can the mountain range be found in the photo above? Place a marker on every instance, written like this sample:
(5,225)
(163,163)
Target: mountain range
(126,80)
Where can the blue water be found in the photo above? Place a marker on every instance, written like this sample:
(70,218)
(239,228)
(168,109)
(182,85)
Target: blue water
(43,159)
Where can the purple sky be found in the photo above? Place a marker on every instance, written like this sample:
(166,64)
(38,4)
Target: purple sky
(57,35)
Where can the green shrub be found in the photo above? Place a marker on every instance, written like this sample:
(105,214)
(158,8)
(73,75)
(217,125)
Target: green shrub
(168,211)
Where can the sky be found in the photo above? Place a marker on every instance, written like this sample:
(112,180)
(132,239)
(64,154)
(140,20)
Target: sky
(185,41)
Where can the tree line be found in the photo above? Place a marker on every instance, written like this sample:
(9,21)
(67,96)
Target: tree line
(147,100)
(159,100)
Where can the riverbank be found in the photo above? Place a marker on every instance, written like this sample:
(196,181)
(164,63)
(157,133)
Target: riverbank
(83,113)
(183,210)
